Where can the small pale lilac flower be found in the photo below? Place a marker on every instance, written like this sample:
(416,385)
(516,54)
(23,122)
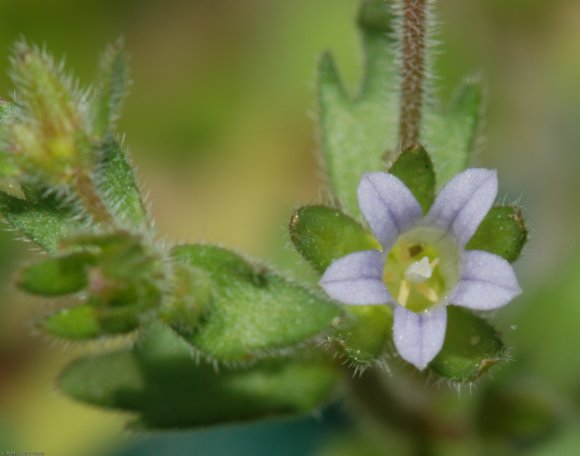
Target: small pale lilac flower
(423,265)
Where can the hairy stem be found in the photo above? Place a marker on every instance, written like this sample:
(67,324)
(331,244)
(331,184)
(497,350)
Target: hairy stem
(92,200)
(412,71)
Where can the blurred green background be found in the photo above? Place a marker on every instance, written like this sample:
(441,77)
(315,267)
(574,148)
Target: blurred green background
(220,123)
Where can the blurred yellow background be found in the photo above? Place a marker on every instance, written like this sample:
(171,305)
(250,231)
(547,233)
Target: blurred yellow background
(220,123)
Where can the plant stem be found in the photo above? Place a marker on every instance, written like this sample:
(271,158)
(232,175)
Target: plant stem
(412,71)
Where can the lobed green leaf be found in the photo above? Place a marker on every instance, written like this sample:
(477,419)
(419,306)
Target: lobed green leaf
(358,133)
(161,382)
(502,232)
(322,234)
(253,310)
(471,347)
(451,134)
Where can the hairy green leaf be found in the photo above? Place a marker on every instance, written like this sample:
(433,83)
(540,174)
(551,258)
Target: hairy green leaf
(322,234)
(116,183)
(451,134)
(359,132)
(56,276)
(502,232)
(415,169)
(253,309)
(161,382)
(41,217)
(110,91)
(470,349)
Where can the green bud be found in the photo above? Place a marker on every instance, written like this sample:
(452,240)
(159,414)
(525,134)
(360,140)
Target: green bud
(56,276)
(47,133)
(88,322)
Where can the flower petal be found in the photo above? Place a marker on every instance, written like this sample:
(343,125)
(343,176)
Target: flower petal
(419,336)
(388,206)
(357,278)
(487,282)
(463,203)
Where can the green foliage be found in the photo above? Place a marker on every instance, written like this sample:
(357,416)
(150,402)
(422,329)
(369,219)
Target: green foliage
(56,276)
(415,169)
(451,134)
(470,349)
(41,217)
(502,232)
(160,381)
(253,310)
(110,91)
(359,132)
(88,322)
(116,182)
(322,234)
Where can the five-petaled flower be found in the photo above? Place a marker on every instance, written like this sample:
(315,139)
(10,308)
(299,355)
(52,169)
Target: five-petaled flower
(423,265)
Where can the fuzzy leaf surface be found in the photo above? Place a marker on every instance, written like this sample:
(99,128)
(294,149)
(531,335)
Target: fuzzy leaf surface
(116,182)
(110,91)
(166,388)
(360,132)
(40,217)
(253,310)
(451,133)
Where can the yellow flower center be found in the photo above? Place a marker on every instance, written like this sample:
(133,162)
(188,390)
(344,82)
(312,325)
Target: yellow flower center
(422,268)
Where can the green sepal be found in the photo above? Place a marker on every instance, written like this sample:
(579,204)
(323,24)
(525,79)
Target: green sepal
(253,310)
(451,133)
(115,180)
(415,169)
(359,132)
(322,234)
(366,334)
(166,388)
(110,91)
(502,232)
(471,348)
(89,322)
(41,217)
(56,276)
